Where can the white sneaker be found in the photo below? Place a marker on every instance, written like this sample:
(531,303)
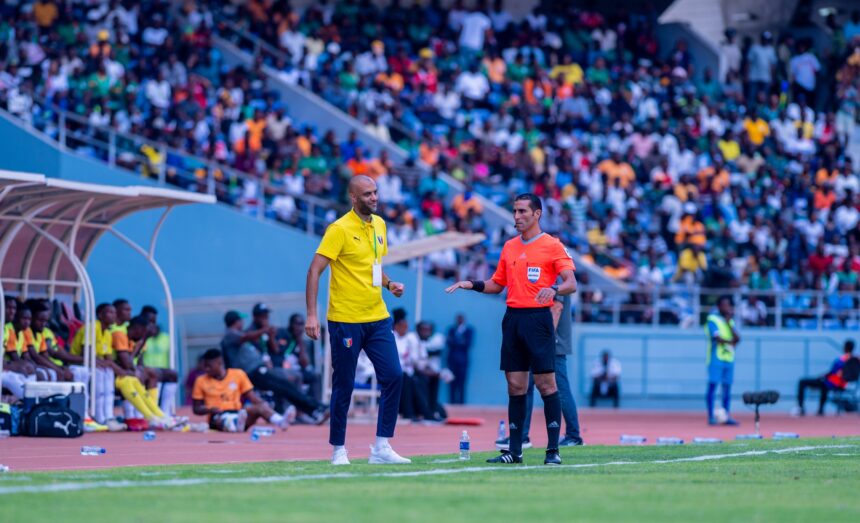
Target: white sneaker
(339,457)
(386,456)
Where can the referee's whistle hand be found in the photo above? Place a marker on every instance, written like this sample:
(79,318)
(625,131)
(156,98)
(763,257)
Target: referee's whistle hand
(396,288)
(312,328)
(459,285)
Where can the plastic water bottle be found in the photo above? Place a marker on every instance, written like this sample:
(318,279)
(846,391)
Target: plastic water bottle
(748,436)
(785,435)
(264,432)
(87,450)
(670,441)
(4,469)
(633,439)
(255,436)
(465,447)
(502,432)
(706,441)
(148,435)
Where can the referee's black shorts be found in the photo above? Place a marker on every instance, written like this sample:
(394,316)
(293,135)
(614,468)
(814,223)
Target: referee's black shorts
(528,341)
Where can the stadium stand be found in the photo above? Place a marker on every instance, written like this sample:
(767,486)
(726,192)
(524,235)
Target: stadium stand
(665,174)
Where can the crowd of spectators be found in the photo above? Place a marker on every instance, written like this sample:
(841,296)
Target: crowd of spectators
(150,73)
(659,170)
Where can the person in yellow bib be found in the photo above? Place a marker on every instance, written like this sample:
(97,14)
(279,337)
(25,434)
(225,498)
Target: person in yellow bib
(722,341)
(160,382)
(12,348)
(34,348)
(357,317)
(16,372)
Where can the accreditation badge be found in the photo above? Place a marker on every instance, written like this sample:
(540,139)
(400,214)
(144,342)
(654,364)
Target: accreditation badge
(377,275)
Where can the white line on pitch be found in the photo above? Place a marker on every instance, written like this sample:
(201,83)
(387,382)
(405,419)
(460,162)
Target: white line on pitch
(184,482)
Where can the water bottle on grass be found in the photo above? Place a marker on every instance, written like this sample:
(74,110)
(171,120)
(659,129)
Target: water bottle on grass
(465,447)
(502,433)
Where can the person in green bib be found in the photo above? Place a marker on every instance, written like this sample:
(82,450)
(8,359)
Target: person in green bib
(722,341)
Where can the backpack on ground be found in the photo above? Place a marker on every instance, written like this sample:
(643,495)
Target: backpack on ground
(52,417)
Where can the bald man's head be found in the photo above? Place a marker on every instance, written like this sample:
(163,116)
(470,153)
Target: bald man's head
(362,192)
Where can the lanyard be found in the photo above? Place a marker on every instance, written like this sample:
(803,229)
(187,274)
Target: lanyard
(373,241)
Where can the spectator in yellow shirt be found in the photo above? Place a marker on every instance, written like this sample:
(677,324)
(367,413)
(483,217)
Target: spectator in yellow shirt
(729,147)
(569,70)
(756,128)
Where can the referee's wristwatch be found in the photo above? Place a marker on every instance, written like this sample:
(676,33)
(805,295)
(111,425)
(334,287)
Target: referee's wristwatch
(555,288)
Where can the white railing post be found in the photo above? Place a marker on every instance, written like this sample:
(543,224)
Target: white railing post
(311,214)
(210,179)
(819,311)
(162,170)
(112,148)
(62,122)
(261,199)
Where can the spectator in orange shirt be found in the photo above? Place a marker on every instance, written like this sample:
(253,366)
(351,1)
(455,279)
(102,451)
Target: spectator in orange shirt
(358,165)
(428,152)
(495,68)
(616,168)
(379,166)
(714,177)
(220,393)
(826,175)
(691,231)
(537,88)
(824,197)
(305,141)
(685,190)
(45,13)
(392,80)
(464,202)
(256,129)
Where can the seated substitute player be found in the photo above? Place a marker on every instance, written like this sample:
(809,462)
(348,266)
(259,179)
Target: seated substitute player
(128,342)
(110,375)
(42,338)
(12,360)
(220,392)
(35,349)
(529,266)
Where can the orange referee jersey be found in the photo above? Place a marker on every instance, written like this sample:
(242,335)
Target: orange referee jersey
(527,267)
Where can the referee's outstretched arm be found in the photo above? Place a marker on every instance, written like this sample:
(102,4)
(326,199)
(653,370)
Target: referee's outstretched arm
(568,286)
(486,287)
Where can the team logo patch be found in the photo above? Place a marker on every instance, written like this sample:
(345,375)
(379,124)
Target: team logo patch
(380,239)
(347,342)
(533,274)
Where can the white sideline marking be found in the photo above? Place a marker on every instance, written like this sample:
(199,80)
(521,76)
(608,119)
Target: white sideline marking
(184,482)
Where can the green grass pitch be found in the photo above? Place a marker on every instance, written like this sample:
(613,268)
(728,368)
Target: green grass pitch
(767,481)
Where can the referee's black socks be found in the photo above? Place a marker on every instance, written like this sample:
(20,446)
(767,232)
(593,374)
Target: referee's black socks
(552,412)
(516,419)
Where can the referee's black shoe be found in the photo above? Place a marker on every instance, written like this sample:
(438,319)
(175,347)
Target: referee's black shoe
(506,457)
(552,457)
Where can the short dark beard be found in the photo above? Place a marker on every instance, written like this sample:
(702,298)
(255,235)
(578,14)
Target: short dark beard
(363,209)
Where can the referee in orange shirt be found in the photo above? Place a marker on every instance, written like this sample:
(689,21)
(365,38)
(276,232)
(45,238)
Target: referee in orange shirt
(529,267)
